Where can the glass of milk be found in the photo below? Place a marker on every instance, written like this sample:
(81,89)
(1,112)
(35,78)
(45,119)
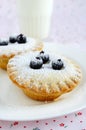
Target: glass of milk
(35,17)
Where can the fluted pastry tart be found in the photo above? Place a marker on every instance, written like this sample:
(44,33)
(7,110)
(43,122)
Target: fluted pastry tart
(17,45)
(43,76)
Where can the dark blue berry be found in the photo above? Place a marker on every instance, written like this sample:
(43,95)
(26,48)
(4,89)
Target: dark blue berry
(21,39)
(45,58)
(38,57)
(57,65)
(12,39)
(36,63)
(41,52)
(3,43)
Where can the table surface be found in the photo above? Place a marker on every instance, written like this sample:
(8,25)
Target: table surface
(67,28)
(74,121)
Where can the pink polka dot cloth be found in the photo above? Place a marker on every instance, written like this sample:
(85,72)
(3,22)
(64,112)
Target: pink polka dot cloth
(75,121)
(68,26)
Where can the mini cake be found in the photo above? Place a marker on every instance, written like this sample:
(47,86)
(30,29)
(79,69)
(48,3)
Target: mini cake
(42,76)
(17,45)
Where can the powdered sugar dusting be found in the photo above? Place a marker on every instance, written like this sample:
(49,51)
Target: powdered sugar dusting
(45,76)
(18,48)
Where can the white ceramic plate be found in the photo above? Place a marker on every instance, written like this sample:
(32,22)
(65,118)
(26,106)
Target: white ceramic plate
(14,105)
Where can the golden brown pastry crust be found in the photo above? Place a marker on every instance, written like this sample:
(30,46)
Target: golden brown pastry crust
(38,89)
(5,58)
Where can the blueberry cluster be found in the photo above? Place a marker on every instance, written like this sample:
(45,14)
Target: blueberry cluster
(20,39)
(41,59)
(44,58)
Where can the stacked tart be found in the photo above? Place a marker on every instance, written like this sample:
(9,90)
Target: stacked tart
(16,45)
(44,76)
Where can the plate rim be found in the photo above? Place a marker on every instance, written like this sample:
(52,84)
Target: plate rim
(11,118)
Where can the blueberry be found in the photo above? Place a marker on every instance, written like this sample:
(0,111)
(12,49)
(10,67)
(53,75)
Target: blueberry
(3,43)
(38,57)
(36,63)
(21,39)
(57,65)
(12,39)
(42,52)
(45,58)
